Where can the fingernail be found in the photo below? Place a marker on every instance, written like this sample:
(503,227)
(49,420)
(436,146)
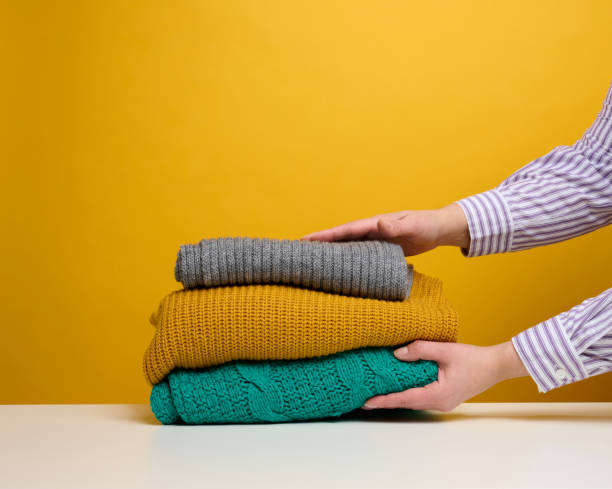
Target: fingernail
(368,406)
(400,352)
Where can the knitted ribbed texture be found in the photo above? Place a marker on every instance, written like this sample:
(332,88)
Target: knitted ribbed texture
(375,269)
(204,327)
(276,391)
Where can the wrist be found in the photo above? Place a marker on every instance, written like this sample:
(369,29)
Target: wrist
(507,363)
(453,227)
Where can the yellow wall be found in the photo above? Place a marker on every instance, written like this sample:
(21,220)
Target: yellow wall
(133,127)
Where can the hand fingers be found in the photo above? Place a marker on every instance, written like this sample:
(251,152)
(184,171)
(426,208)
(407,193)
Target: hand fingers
(364,228)
(351,230)
(424,350)
(415,398)
(358,229)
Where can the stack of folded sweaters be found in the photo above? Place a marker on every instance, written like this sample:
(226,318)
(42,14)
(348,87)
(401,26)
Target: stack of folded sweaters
(279,330)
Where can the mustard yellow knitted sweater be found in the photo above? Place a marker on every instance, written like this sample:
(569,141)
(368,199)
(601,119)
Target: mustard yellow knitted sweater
(204,327)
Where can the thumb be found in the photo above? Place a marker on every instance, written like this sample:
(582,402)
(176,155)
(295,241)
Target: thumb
(423,350)
(393,228)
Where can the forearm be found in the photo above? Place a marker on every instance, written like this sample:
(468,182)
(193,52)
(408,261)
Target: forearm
(506,363)
(563,194)
(453,227)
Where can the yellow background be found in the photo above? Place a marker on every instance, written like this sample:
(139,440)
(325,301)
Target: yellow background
(130,128)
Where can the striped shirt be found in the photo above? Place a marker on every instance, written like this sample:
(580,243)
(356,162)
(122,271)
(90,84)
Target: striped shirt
(563,194)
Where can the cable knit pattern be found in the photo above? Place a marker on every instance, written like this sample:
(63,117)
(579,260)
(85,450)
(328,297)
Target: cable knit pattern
(277,391)
(204,327)
(375,269)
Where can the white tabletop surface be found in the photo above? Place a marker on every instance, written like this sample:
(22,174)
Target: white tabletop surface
(477,445)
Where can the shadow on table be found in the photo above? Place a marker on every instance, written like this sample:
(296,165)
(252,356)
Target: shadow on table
(141,413)
(408,416)
(577,417)
(389,416)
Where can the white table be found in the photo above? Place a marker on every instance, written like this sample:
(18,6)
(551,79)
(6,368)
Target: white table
(477,445)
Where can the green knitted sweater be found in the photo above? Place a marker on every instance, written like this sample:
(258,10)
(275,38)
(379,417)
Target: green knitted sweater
(285,390)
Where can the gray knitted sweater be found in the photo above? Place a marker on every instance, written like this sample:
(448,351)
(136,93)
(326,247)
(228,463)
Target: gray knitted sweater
(374,269)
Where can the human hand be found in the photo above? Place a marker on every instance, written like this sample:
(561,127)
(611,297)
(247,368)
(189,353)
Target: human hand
(415,231)
(463,371)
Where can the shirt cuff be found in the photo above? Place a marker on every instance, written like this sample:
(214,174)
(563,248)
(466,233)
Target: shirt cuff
(489,223)
(549,356)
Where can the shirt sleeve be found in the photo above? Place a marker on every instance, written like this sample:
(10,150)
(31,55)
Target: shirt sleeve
(563,194)
(571,346)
